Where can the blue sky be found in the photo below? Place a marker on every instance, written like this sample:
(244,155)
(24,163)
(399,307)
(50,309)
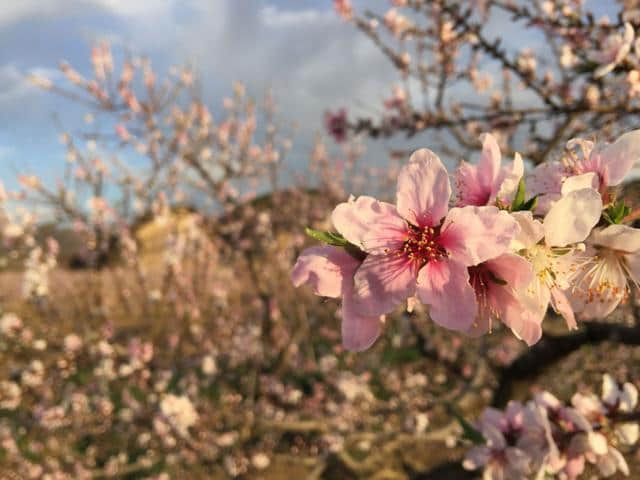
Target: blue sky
(300,48)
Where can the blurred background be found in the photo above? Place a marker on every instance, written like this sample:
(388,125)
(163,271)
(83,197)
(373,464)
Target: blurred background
(159,162)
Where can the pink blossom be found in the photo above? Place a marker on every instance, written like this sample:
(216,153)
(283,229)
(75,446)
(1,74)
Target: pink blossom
(488,181)
(613,51)
(497,284)
(336,124)
(499,459)
(416,247)
(330,271)
(344,9)
(556,260)
(596,166)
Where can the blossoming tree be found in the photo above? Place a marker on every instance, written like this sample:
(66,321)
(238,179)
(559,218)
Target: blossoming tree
(198,349)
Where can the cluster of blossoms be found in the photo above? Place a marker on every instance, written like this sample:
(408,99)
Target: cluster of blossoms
(484,252)
(546,438)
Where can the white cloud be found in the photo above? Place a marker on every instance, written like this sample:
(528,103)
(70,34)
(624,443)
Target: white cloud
(272,16)
(136,8)
(14,11)
(15,83)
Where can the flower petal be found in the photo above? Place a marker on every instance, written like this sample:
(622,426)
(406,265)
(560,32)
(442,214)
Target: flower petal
(599,286)
(571,218)
(628,433)
(514,269)
(633,266)
(325,268)
(562,305)
(472,234)
(489,164)
(366,220)
(628,397)
(359,332)
(617,237)
(620,156)
(444,286)
(597,442)
(423,189)
(546,178)
(525,324)
(530,233)
(610,390)
(382,282)
(511,179)
(578,182)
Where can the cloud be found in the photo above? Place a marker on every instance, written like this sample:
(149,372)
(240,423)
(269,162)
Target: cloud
(275,17)
(16,84)
(14,11)
(310,58)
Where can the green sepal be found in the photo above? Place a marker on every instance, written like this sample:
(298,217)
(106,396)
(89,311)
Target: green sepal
(518,200)
(336,240)
(329,238)
(519,203)
(530,204)
(615,213)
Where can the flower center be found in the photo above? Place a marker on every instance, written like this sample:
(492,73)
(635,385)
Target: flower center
(421,245)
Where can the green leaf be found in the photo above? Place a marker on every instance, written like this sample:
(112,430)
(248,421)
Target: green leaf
(329,238)
(615,213)
(468,431)
(518,200)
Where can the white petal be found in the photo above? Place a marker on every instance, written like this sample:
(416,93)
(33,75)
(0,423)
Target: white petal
(617,237)
(531,231)
(620,156)
(578,182)
(628,433)
(628,397)
(610,390)
(571,218)
(598,443)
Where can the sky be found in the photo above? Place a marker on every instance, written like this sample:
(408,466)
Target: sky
(299,48)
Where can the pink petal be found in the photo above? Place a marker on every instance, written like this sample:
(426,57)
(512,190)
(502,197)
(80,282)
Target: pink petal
(367,222)
(444,286)
(575,466)
(489,165)
(474,234)
(359,332)
(514,269)
(563,307)
(620,156)
(476,457)
(423,189)
(325,268)
(571,218)
(546,178)
(530,233)
(469,191)
(382,282)
(525,324)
